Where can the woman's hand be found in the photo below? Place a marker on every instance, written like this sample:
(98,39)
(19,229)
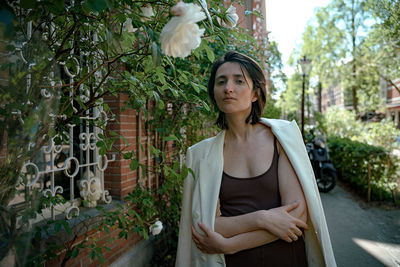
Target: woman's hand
(279,222)
(211,243)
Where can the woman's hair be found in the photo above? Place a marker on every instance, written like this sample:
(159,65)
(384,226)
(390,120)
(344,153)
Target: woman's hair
(259,85)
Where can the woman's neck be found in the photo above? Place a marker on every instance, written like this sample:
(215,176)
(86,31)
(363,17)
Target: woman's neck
(238,129)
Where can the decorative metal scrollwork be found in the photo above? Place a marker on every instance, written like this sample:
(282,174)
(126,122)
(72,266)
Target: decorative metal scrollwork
(36,174)
(71,211)
(67,71)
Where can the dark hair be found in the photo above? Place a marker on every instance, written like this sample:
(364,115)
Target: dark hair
(259,85)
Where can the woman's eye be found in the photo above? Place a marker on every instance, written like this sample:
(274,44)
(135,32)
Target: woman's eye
(239,81)
(220,82)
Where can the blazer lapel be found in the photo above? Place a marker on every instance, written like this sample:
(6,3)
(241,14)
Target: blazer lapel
(211,167)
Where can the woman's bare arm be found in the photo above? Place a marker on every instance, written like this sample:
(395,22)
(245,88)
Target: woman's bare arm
(213,242)
(250,230)
(284,224)
(278,221)
(289,186)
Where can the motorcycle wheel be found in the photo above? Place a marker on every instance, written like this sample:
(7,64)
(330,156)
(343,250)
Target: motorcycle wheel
(328,180)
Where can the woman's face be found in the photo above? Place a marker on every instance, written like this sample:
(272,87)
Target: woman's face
(233,89)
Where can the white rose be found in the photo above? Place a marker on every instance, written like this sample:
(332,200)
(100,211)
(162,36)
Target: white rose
(147,11)
(128,26)
(181,34)
(231,17)
(156,228)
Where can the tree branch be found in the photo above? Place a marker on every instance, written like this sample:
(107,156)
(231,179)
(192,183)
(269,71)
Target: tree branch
(390,82)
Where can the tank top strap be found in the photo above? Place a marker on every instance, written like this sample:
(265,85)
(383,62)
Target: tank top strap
(275,149)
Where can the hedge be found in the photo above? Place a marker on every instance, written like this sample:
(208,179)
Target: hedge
(370,170)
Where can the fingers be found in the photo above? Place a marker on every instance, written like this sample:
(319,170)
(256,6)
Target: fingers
(197,239)
(205,229)
(287,239)
(292,206)
(300,223)
(293,237)
(297,232)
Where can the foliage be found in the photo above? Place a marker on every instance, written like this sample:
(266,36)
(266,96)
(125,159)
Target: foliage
(170,93)
(271,110)
(343,123)
(352,46)
(277,76)
(371,170)
(384,40)
(291,98)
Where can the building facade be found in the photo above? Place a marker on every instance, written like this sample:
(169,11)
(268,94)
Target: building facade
(392,96)
(332,96)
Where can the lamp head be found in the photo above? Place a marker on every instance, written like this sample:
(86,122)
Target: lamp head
(305,65)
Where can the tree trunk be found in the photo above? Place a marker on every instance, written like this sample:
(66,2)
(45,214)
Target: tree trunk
(319,97)
(353,38)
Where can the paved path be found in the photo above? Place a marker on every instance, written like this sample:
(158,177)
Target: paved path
(361,235)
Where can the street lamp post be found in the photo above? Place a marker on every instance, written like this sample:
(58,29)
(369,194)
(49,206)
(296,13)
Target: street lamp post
(305,65)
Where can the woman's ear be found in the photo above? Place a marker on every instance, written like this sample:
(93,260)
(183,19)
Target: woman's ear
(255,95)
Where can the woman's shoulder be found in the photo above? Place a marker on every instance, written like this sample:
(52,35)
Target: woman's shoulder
(202,147)
(203,144)
(277,123)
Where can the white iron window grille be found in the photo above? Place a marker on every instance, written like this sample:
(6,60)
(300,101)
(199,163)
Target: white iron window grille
(72,168)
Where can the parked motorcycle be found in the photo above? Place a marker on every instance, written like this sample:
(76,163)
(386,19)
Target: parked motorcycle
(324,171)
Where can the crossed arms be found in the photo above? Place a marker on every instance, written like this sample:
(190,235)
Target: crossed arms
(233,234)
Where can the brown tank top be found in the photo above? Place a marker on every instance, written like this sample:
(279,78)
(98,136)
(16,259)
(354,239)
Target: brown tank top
(244,195)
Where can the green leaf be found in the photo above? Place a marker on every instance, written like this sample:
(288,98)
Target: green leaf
(184,172)
(112,133)
(75,253)
(38,235)
(205,105)
(134,164)
(57,227)
(96,5)
(100,257)
(170,138)
(128,155)
(102,150)
(156,96)
(66,227)
(203,4)
(210,54)
(92,254)
(79,100)
(196,87)
(27,4)
(156,54)
(160,74)
(160,104)
(100,143)
(59,4)
(125,141)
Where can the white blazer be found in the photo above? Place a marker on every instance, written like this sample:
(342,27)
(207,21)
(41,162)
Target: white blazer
(200,197)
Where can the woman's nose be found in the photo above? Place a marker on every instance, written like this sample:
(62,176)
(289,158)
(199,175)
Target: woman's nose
(228,87)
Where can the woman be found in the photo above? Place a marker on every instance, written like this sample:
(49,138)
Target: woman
(253,193)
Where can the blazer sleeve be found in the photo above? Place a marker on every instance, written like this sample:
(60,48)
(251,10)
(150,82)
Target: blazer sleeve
(184,257)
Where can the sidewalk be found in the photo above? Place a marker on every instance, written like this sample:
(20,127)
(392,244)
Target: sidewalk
(361,235)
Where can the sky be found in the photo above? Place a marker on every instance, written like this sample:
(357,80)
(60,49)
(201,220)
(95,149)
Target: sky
(286,20)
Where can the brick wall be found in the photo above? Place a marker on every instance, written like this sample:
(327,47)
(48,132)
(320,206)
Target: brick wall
(119,179)
(117,245)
